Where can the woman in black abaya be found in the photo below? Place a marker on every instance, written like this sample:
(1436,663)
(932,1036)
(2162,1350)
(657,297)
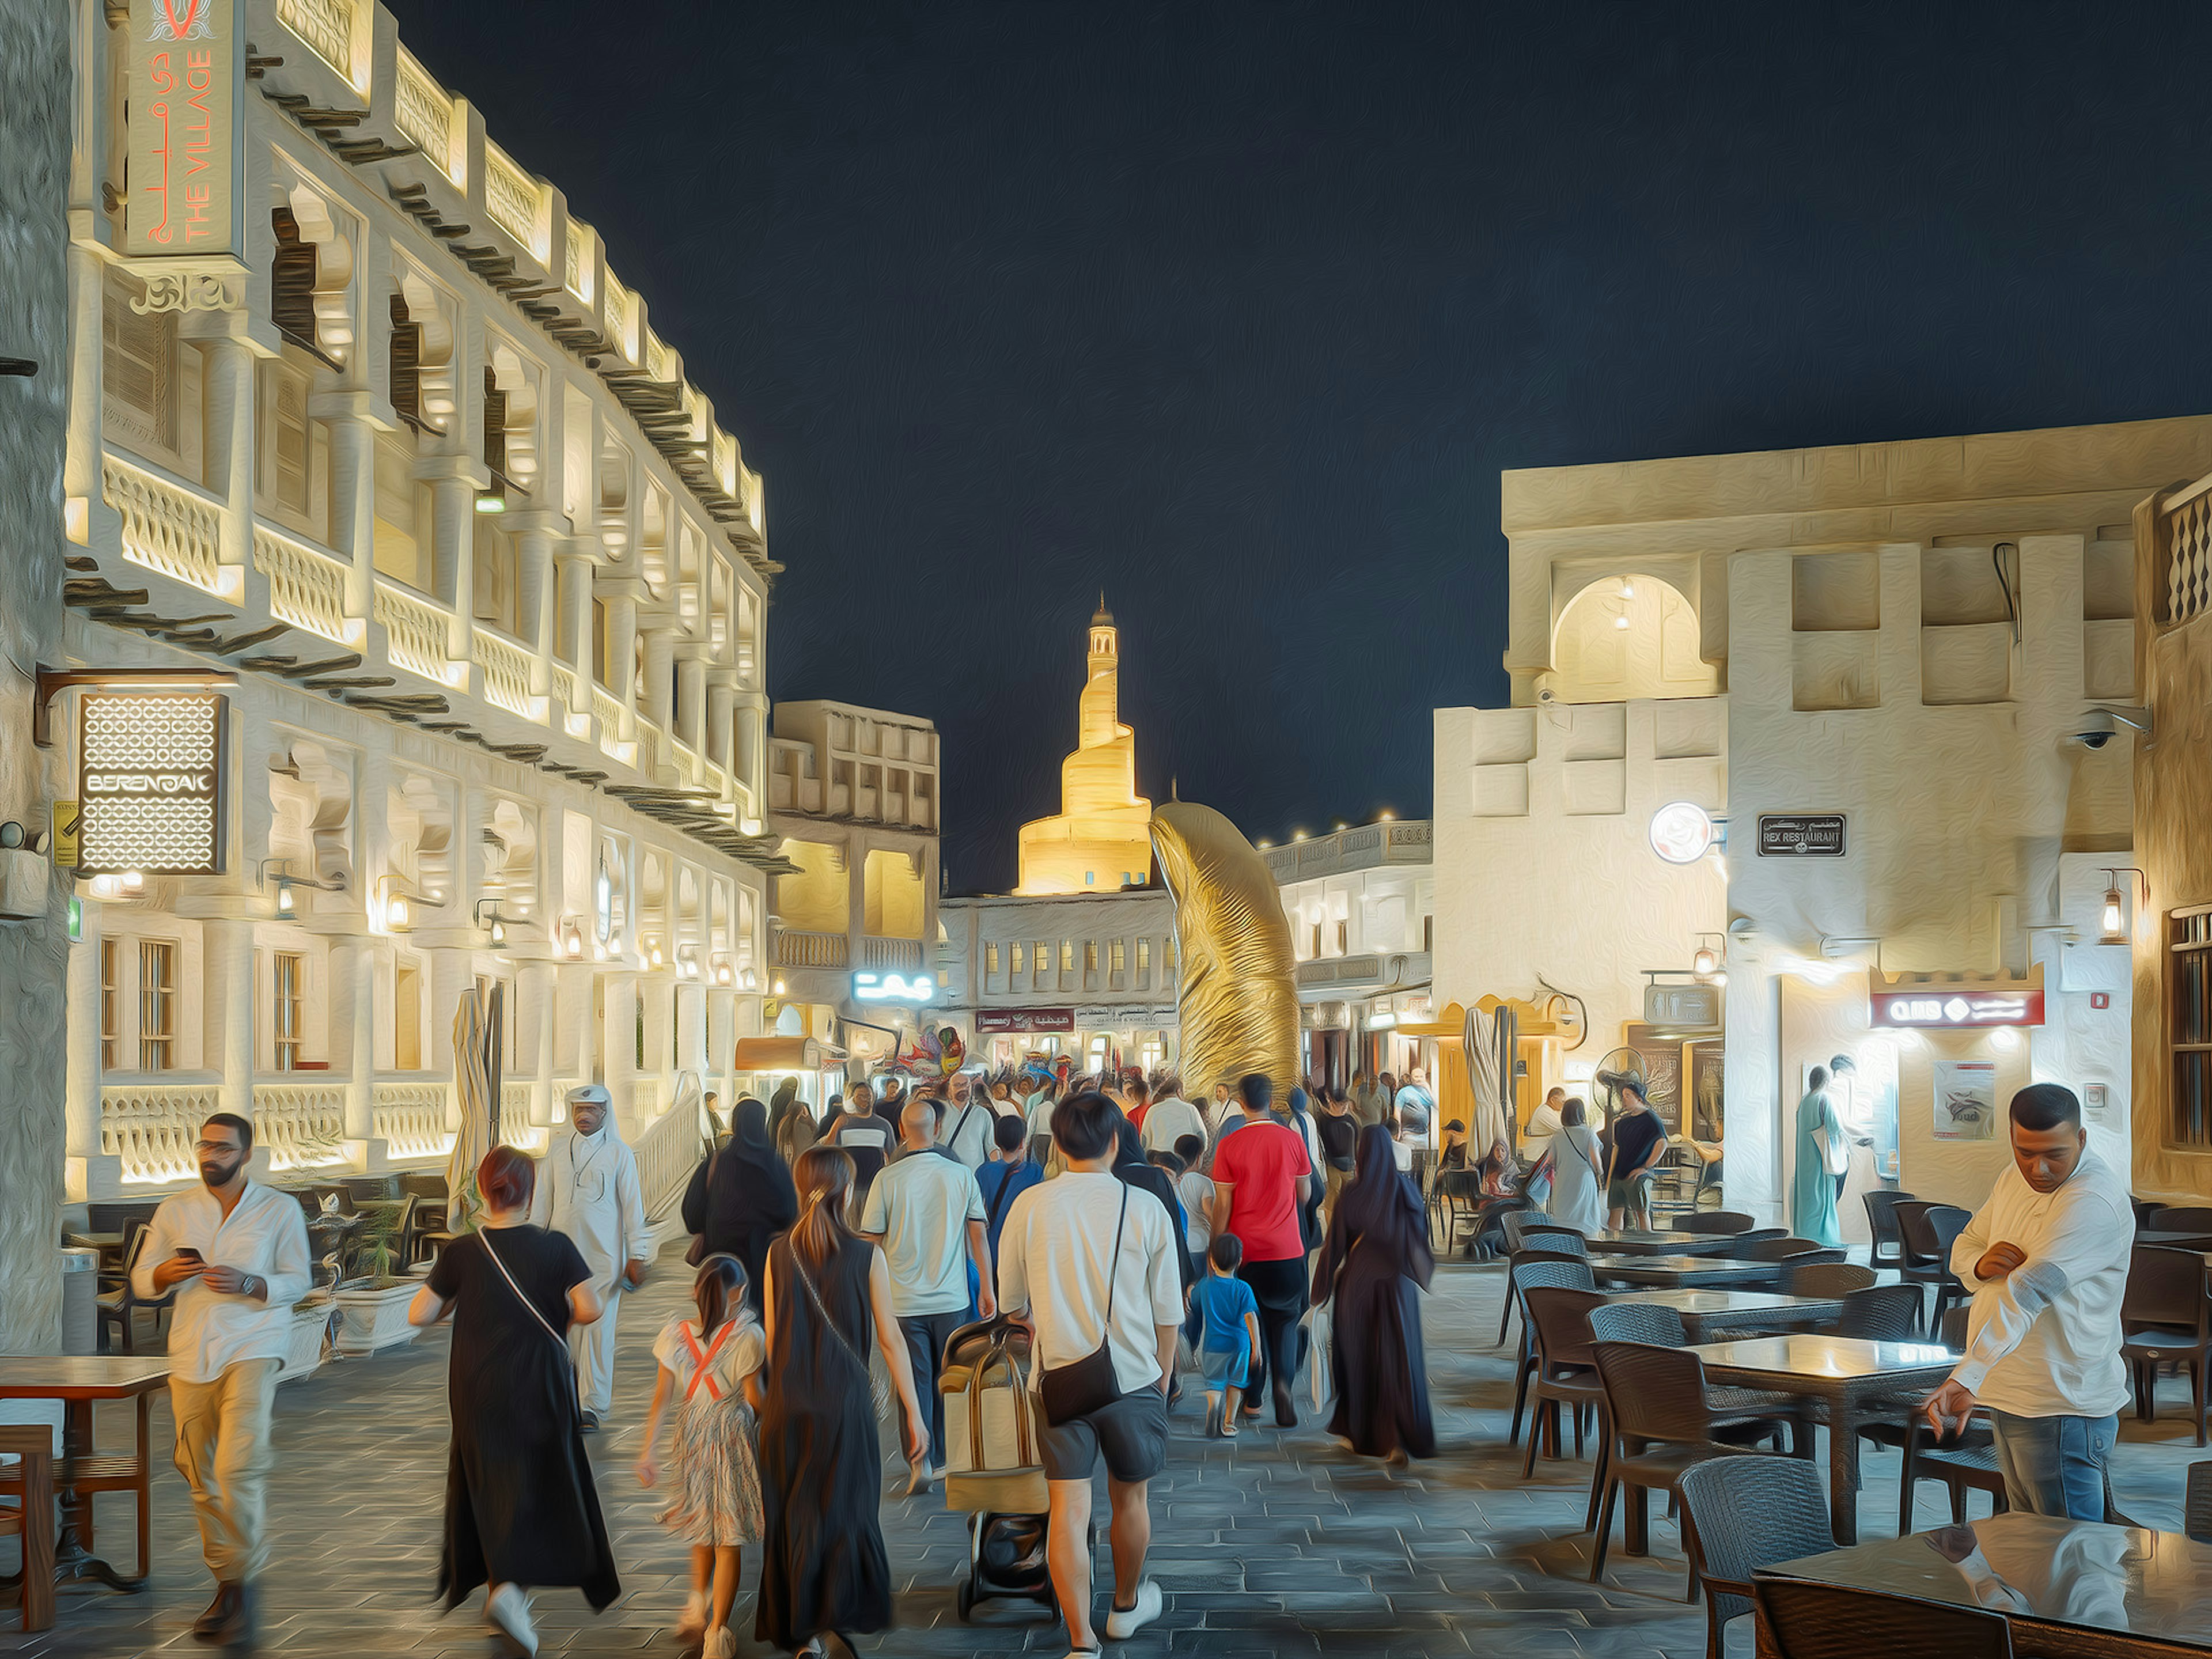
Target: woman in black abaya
(741,1196)
(1375,1262)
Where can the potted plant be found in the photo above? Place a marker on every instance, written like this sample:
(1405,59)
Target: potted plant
(372,1298)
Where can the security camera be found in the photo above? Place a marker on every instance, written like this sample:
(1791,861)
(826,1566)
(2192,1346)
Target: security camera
(2101,725)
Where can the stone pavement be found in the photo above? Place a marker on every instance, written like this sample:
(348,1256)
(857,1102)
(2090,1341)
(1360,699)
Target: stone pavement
(1276,1544)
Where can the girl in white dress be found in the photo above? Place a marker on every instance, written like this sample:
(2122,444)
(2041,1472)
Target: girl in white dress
(713,1365)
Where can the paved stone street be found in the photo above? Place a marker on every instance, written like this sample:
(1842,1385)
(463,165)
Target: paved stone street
(1277,1544)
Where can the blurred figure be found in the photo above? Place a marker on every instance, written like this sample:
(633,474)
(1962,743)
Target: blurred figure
(1171,1117)
(715,1505)
(520,1507)
(741,1196)
(823,1569)
(1006,1176)
(589,1190)
(1374,1264)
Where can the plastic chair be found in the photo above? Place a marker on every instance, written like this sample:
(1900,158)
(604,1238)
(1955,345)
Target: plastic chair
(120,1305)
(1967,1463)
(2181,1220)
(1820,1621)
(1660,1426)
(1827,1278)
(1749,1513)
(1929,1232)
(1879,1313)
(1513,1265)
(1550,1273)
(1888,1249)
(1566,1369)
(2166,1320)
(1713,1221)
(1773,1248)
(2197,1508)
(1563,1241)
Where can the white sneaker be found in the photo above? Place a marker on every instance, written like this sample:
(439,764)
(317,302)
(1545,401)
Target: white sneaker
(696,1612)
(1121,1622)
(510,1610)
(721,1643)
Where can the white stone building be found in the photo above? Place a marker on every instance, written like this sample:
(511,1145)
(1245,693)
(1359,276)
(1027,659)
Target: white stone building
(1898,641)
(406,460)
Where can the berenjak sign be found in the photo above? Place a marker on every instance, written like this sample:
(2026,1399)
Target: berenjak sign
(149,781)
(1801,835)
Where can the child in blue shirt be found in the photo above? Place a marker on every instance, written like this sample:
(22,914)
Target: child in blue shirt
(1231,1338)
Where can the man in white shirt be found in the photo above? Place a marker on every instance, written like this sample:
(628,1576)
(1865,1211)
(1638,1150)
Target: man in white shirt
(589,1189)
(2046,1259)
(922,1210)
(1042,1105)
(1054,1241)
(967,1132)
(1224,1111)
(1171,1118)
(236,1254)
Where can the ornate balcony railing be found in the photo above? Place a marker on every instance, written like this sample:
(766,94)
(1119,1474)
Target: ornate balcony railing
(167,528)
(151,1128)
(306,588)
(564,703)
(648,746)
(302,1124)
(410,1120)
(414,633)
(506,672)
(813,950)
(902,954)
(646,1098)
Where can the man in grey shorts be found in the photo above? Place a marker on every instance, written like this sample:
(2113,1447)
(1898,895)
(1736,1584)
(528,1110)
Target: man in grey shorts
(1053,1239)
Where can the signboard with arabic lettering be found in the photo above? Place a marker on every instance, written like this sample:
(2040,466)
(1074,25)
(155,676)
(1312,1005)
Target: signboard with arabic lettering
(1801,835)
(1960,1006)
(988,1020)
(186,164)
(150,782)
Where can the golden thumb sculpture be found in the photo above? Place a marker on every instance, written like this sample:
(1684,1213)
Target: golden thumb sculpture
(1238,999)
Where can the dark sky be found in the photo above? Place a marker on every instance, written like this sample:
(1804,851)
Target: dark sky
(1238,311)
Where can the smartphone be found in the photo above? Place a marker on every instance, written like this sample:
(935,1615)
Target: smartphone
(186,1252)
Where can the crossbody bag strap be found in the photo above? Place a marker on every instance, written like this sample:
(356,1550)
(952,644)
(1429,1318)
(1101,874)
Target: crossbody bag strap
(815,1297)
(561,1341)
(1114,1267)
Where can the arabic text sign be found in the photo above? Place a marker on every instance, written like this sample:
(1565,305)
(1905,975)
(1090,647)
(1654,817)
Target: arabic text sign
(1956,1005)
(184,161)
(1801,835)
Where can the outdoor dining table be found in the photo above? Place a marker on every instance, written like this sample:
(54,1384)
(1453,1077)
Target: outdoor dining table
(2071,1590)
(1845,1376)
(1610,1243)
(80,1382)
(1710,1315)
(1683,1273)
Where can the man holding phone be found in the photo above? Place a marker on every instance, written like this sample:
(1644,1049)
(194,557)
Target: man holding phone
(236,1254)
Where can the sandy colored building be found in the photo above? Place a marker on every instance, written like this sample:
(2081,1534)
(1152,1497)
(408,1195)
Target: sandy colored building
(1099,841)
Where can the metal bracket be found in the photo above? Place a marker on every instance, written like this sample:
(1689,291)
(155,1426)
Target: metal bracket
(51,681)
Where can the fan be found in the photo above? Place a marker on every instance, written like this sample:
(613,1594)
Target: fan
(1621,1069)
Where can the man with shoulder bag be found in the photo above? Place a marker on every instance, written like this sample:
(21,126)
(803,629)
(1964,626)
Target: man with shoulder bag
(1091,1264)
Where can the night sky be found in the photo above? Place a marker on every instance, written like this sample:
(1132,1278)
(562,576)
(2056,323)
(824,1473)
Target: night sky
(1238,311)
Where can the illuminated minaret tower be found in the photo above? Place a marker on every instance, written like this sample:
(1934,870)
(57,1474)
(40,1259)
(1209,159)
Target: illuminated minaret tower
(1102,839)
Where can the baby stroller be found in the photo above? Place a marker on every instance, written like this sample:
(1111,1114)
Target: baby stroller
(992,1468)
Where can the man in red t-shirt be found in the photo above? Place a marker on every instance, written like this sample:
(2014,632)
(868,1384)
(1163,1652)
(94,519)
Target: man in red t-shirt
(1261,1178)
(1137,1095)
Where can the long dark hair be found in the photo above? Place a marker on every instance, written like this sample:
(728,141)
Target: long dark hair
(720,1290)
(823,1176)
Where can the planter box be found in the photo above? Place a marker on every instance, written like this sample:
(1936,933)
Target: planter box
(304,1355)
(375,1319)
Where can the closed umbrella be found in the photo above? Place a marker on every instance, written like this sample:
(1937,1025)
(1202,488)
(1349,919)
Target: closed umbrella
(476,1088)
(1479,1040)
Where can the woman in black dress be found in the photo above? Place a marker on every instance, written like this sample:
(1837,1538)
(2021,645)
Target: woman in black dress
(741,1196)
(520,1509)
(823,1569)
(1376,1260)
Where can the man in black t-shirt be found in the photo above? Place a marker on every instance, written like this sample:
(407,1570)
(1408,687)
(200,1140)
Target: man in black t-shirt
(1640,1141)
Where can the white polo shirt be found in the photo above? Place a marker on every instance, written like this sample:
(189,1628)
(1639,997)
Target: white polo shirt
(265,1235)
(921,1206)
(1054,1260)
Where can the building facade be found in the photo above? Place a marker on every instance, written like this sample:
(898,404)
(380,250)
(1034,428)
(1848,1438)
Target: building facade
(854,801)
(1101,839)
(404,461)
(1820,715)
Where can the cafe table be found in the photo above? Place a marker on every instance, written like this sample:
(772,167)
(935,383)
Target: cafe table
(2071,1590)
(1688,1273)
(1711,1315)
(80,1382)
(1848,1377)
(1610,1242)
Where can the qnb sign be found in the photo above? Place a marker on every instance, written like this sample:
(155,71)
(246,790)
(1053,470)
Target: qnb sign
(913,989)
(1957,1006)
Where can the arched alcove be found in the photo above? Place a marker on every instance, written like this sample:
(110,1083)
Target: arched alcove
(1625,637)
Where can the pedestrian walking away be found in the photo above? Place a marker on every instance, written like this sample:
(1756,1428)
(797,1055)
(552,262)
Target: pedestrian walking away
(235,1252)
(710,1365)
(1091,1262)
(823,1569)
(1170,1117)
(1228,1344)
(741,1197)
(588,1192)
(925,1213)
(1006,1176)
(1262,1179)
(2046,1259)
(1374,1266)
(1577,1198)
(521,1512)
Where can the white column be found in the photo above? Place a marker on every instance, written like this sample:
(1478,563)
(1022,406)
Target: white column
(620,1061)
(229,1002)
(229,387)
(573,630)
(691,1032)
(353,964)
(353,494)
(90,1174)
(691,715)
(622,652)
(538,986)
(715,743)
(659,654)
(721,1044)
(535,611)
(452,514)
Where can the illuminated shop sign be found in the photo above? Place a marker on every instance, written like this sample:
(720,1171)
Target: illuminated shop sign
(915,988)
(149,781)
(993,1020)
(1958,1004)
(1682,832)
(186,61)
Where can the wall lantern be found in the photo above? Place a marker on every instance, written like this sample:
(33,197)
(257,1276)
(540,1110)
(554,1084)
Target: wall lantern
(397,905)
(2114,923)
(572,939)
(286,882)
(497,926)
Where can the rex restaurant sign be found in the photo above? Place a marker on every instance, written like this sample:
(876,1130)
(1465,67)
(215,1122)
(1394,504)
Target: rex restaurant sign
(187,181)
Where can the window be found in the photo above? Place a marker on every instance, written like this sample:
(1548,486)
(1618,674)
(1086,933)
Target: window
(1018,959)
(406,364)
(1043,960)
(2189,1028)
(1428,932)
(1315,950)
(493,580)
(157,1006)
(1090,878)
(402,513)
(139,393)
(1114,956)
(990,961)
(406,1016)
(292,276)
(1144,961)
(1090,956)
(1125,878)
(111,1010)
(1067,956)
(284,438)
(285,1009)
(1343,937)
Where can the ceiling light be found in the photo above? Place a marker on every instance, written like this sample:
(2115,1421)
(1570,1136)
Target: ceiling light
(2004,1039)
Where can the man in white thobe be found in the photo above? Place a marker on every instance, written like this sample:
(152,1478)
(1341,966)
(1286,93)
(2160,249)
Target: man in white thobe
(588,1189)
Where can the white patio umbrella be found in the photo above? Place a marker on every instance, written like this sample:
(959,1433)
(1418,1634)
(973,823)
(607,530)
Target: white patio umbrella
(476,1088)
(1480,1039)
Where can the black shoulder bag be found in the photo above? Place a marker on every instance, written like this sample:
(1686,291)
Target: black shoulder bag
(1088,1384)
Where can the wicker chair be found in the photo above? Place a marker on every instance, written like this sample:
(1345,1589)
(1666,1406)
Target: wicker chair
(2166,1321)
(1566,1369)
(1561,1240)
(1714,1221)
(2197,1508)
(1930,1230)
(1827,1278)
(1550,1273)
(1881,1225)
(1513,1266)
(1747,1415)
(1749,1513)
(1772,1247)
(118,1305)
(1821,1622)
(1659,1425)
(1879,1313)
(1968,1463)
(2181,1219)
